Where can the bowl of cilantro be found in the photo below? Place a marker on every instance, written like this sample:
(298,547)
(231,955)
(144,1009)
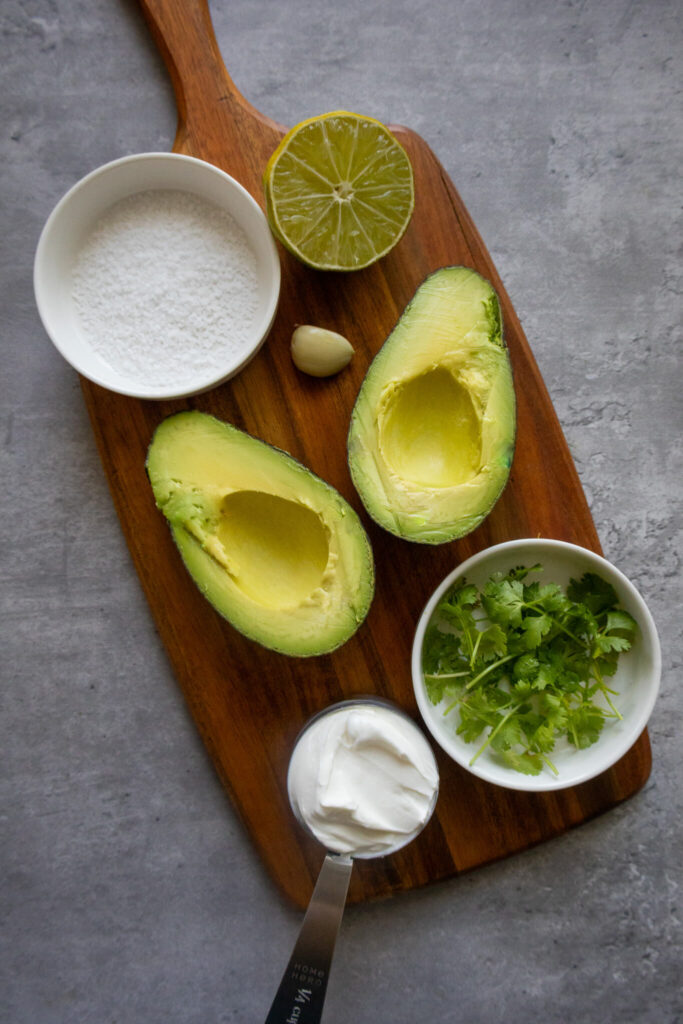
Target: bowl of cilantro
(536,664)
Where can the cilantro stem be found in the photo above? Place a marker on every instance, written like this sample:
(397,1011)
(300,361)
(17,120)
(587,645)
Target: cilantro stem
(476,679)
(462,699)
(615,711)
(446,675)
(605,691)
(458,700)
(501,661)
(576,738)
(493,732)
(473,656)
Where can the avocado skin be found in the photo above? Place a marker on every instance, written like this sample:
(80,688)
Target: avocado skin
(193,518)
(414,511)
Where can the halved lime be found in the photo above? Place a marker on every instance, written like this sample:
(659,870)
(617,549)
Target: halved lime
(339,191)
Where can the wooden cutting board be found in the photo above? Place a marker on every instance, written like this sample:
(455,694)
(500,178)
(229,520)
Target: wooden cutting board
(249,703)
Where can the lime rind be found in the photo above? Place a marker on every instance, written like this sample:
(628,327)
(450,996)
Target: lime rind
(339,191)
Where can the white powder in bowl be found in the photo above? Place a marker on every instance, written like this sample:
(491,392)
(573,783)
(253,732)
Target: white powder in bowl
(166,288)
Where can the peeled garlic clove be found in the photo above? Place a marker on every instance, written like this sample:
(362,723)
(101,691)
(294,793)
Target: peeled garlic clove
(320,352)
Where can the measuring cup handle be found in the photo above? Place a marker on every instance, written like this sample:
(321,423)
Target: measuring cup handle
(301,994)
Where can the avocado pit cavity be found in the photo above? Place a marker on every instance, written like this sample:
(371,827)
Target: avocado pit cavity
(429,431)
(278,549)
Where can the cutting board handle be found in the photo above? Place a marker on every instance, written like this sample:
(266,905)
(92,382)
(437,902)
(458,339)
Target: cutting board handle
(184,34)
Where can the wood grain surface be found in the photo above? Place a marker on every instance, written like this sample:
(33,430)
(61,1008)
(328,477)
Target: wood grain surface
(249,703)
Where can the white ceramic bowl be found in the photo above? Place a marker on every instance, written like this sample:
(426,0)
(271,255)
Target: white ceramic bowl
(71,223)
(637,678)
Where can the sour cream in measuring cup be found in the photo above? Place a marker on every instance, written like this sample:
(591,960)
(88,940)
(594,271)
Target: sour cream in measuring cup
(363,778)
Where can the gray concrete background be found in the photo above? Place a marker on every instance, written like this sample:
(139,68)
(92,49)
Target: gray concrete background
(130,892)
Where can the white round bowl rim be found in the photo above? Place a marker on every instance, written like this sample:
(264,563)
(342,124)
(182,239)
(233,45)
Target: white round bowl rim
(518,781)
(141,390)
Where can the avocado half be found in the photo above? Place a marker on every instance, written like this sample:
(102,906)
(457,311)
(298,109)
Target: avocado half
(277,551)
(432,431)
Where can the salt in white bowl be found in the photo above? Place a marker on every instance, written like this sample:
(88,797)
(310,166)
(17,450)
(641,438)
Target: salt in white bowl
(70,226)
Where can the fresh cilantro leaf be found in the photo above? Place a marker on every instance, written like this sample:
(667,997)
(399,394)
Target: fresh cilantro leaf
(471,724)
(492,643)
(622,621)
(593,592)
(508,735)
(612,643)
(520,572)
(522,689)
(455,610)
(527,763)
(461,595)
(552,598)
(504,601)
(543,738)
(535,627)
(530,720)
(552,706)
(584,725)
(437,689)
(608,663)
(544,678)
(525,667)
(440,650)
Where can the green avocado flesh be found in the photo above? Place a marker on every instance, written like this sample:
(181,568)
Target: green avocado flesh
(433,428)
(277,551)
